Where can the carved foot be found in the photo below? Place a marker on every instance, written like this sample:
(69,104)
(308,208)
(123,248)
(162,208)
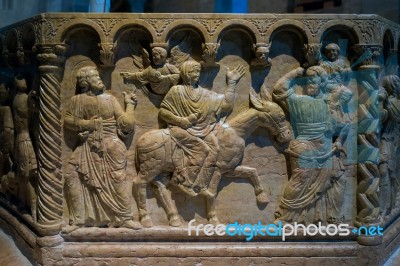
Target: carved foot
(146,221)
(262,198)
(69,228)
(175,221)
(214,220)
(131,225)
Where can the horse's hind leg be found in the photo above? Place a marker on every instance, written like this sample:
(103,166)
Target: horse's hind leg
(252,174)
(164,196)
(139,193)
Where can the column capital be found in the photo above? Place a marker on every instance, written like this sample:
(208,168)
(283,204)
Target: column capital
(210,53)
(107,54)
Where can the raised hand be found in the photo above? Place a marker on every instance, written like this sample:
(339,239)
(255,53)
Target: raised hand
(236,74)
(130,98)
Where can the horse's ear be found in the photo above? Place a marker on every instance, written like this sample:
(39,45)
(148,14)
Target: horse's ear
(256,100)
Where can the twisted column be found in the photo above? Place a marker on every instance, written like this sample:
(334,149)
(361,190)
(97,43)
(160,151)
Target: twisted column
(368,135)
(50,186)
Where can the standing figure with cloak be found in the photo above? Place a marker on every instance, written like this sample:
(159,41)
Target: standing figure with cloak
(96,185)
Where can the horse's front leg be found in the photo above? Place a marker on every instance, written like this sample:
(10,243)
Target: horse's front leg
(211,213)
(139,193)
(164,196)
(251,174)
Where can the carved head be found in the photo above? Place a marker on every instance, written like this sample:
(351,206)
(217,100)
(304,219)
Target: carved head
(332,52)
(262,53)
(190,72)
(20,83)
(88,79)
(312,54)
(159,55)
(391,83)
(315,80)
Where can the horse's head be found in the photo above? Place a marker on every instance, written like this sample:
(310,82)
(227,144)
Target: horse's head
(272,117)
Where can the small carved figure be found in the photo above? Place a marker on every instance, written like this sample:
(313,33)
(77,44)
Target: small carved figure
(389,97)
(161,76)
(6,131)
(338,95)
(96,184)
(24,154)
(312,193)
(261,60)
(196,149)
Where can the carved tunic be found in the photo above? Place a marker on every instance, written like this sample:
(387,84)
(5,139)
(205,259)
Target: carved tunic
(183,101)
(24,153)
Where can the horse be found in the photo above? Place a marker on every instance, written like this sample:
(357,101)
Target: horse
(155,165)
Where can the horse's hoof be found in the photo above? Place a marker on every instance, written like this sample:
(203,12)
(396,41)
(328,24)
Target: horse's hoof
(146,221)
(175,221)
(262,198)
(214,221)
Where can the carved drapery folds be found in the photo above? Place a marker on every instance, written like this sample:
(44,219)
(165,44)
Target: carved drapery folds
(50,187)
(366,64)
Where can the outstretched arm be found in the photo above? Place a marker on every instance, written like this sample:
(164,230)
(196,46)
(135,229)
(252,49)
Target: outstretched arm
(281,87)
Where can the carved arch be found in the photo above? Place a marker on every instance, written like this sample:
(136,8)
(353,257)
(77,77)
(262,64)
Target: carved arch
(180,25)
(82,39)
(76,24)
(294,26)
(344,26)
(120,28)
(238,24)
(27,38)
(12,41)
(388,39)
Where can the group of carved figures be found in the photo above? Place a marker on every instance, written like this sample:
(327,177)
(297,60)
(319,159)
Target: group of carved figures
(306,113)
(18,164)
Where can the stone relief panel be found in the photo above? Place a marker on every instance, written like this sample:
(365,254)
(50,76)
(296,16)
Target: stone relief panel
(178,149)
(216,120)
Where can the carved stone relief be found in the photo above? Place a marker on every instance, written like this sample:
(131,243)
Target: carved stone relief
(148,122)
